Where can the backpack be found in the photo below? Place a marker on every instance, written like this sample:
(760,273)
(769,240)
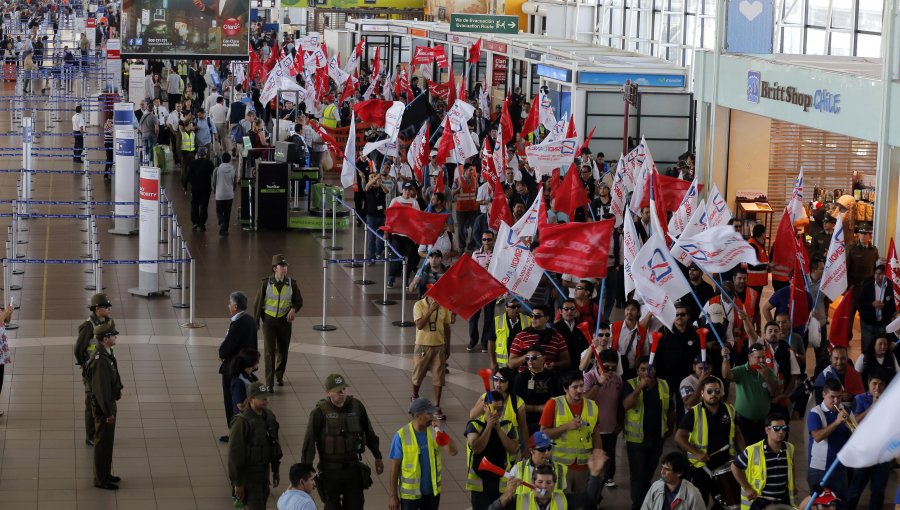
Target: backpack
(237,133)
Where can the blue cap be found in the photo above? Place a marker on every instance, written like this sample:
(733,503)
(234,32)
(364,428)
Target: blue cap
(540,440)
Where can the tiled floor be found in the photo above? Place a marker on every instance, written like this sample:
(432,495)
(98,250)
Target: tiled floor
(170,415)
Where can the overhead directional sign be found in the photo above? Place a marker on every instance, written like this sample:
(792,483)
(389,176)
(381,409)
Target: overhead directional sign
(495,24)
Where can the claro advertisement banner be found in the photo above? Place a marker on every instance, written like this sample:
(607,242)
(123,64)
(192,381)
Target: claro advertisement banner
(196,28)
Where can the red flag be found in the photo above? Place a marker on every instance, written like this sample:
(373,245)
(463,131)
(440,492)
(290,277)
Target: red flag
(350,88)
(254,69)
(329,140)
(533,119)
(439,186)
(670,191)
(373,110)
(455,291)
(570,129)
(441,90)
(421,227)
(803,255)
(421,161)
(499,208)
(451,98)
(571,194)
(376,62)
(892,270)
(799,301)
(475,52)
(404,84)
(274,56)
(445,145)
(839,334)
(578,249)
(462,95)
(506,125)
(321,82)
(555,183)
(587,142)
(784,249)
(299,63)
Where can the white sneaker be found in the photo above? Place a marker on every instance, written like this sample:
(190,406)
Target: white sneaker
(610,483)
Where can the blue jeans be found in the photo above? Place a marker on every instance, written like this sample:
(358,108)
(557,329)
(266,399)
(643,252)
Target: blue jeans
(426,502)
(837,482)
(375,245)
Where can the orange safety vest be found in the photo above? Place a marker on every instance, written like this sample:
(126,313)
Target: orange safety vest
(465,199)
(639,341)
(757,276)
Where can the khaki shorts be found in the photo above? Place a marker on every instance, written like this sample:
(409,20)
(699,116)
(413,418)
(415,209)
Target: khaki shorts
(429,357)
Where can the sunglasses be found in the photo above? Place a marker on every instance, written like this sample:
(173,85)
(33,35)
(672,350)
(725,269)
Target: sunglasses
(780,428)
(568,309)
(537,316)
(713,392)
(680,315)
(487,239)
(543,450)
(532,357)
(579,288)
(514,306)
(498,378)
(603,334)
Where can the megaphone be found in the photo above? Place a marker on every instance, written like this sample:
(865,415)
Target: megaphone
(440,437)
(486,465)
(656,336)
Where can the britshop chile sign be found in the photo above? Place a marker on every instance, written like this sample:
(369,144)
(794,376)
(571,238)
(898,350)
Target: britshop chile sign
(821,100)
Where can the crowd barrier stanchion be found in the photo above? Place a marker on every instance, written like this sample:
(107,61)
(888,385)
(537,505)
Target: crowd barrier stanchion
(324,326)
(7,288)
(192,322)
(98,275)
(183,284)
(324,235)
(353,265)
(9,284)
(90,239)
(403,323)
(365,281)
(334,247)
(178,269)
(384,299)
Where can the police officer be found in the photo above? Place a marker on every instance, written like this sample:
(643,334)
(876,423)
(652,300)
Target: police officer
(253,450)
(277,303)
(85,346)
(339,427)
(821,240)
(106,388)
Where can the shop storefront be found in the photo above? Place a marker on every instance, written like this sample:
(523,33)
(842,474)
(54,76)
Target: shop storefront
(776,117)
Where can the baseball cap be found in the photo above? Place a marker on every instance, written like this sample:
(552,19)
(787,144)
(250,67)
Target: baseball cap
(409,185)
(436,253)
(104,330)
(258,390)
(422,405)
(830,219)
(279,260)
(716,313)
(335,382)
(540,440)
(826,498)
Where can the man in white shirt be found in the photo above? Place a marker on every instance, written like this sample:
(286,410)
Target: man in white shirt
(298,495)
(174,135)
(78,126)
(218,114)
(174,87)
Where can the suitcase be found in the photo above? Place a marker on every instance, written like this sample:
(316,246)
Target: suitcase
(162,158)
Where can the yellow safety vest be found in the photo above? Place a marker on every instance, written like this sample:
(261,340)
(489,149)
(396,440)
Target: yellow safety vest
(473,481)
(756,471)
(511,415)
(634,417)
(278,303)
(700,434)
(526,501)
(187,141)
(523,472)
(501,337)
(329,119)
(574,446)
(410,470)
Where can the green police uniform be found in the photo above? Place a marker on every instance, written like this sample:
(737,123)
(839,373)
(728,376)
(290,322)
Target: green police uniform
(106,388)
(85,346)
(341,435)
(253,450)
(274,300)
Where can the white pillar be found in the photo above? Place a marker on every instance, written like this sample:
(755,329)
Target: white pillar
(123,166)
(148,238)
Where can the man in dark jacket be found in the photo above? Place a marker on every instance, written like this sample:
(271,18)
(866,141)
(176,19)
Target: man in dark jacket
(199,177)
(85,348)
(254,450)
(241,334)
(875,302)
(106,389)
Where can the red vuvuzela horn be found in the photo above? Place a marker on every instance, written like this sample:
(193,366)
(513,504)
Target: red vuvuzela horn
(485,374)
(656,336)
(702,332)
(440,437)
(490,467)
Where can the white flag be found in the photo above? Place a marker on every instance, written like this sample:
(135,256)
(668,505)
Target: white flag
(418,146)
(336,73)
(633,162)
(499,155)
(716,249)
(513,264)
(641,183)
(658,279)
(631,244)
(555,154)
(387,90)
(877,439)
(795,205)
(484,101)
(392,120)
(384,146)
(528,223)
(684,211)
(698,221)
(310,42)
(619,192)
(348,169)
(558,131)
(459,116)
(834,279)
(717,211)
(545,114)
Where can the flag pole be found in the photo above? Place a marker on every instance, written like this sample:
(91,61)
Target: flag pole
(708,321)
(522,302)
(559,289)
(824,479)
(599,308)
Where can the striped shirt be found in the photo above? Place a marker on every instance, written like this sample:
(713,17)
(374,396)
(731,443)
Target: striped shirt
(776,471)
(530,336)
